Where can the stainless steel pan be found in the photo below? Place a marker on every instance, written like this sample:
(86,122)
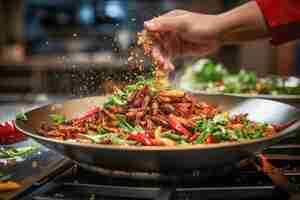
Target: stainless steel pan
(164,159)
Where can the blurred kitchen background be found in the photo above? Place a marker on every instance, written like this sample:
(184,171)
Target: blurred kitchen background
(58,49)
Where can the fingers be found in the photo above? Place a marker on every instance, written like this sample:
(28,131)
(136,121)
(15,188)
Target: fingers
(168,66)
(161,25)
(168,49)
(174,13)
(163,61)
(164,51)
(157,55)
(169,22)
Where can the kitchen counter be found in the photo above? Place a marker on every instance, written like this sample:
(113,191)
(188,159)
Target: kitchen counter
(30,170)
(63,62)
(33,168)
(11,104)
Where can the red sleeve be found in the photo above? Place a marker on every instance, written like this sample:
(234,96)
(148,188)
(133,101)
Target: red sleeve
(283,18)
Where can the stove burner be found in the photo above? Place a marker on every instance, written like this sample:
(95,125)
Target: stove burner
(246,180)
(78,183)
(198,174)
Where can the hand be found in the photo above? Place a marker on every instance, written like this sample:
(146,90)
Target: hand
(183,34)
(187,33)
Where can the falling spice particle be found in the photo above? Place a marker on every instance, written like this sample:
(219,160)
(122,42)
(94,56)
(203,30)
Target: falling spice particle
(92,197)
(34,164)
(146,39)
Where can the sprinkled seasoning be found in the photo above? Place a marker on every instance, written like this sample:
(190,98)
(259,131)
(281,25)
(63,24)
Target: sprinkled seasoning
(146,40)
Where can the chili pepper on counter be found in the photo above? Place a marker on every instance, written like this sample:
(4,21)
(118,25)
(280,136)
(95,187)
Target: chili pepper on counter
(9,134)
(176,125)
(140,137)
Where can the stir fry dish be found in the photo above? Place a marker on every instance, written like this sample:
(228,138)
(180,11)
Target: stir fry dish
(142,115)
(207,76)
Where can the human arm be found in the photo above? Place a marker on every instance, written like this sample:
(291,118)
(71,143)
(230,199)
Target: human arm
(193,34)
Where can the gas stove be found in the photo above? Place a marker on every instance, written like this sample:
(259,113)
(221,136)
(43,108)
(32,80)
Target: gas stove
(272,176)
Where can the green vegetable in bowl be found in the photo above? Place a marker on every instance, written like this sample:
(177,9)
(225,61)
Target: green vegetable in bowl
(21,116)
(12,152)
(208,76)
(210,71)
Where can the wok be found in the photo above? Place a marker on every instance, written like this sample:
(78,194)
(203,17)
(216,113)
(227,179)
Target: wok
(163,159)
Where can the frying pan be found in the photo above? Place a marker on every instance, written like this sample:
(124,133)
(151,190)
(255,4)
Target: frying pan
(163,159)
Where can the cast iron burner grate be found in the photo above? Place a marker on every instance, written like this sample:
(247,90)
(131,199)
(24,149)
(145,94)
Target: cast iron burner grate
(203,174)
(75,183)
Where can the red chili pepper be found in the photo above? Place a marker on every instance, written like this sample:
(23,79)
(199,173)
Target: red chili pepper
(175,124)
(210,139)
(89,114)
(234,126)
(139,98)
(220,83)
(141,137)
(206,108)
(193,137)
(6,128)
(9,134)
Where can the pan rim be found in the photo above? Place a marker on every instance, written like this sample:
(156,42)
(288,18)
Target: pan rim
(279,135)
(284,133)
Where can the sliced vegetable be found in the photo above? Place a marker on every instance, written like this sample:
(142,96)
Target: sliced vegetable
(171,135)
(120,97)
(140,137)
(9,134)
(12,152)
(119,141)
(5,177)
(202,137)
(21,116)
(176,125)
(210,139)
(58,119)
(89,113)
(97,138)
(116,100)
(102,131)
(126,125)
(221,119)
(157,134)
(193,137)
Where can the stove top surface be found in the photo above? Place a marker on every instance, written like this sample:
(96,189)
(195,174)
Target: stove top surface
(74,182)
(275,176)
